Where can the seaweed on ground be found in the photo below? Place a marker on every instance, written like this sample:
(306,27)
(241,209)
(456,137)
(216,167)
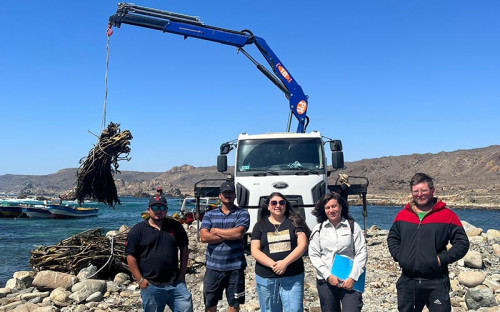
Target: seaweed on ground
(78,251)
(95,174)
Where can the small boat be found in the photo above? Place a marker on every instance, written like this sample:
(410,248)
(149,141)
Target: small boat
(187,213)
(36,211)
(65,212)
(11,211)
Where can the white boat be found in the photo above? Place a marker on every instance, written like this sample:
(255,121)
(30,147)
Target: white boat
(206,203)
(36,211)
(64,212)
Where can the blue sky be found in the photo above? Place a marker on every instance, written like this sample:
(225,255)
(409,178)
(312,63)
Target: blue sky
(385,77)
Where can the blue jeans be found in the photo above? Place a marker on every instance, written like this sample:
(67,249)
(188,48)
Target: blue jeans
(281,294)
(176,296)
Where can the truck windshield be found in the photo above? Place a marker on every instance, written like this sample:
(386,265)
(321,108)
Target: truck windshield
(280,155)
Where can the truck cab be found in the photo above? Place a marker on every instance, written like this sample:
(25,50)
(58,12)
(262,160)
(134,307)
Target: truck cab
(293,164)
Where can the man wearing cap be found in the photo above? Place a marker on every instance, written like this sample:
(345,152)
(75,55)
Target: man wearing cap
(152,254)
(223,230)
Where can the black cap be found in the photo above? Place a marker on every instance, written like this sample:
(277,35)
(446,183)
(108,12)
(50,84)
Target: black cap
(157,200)
(226,186)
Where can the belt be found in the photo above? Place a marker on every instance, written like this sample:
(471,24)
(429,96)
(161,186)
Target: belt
(161,284)
(417,278)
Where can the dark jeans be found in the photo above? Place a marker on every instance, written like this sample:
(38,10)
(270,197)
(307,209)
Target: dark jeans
(331,297)
(215,282)
(414,294)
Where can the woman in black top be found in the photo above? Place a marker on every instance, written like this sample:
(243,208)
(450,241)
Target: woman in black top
(279,239)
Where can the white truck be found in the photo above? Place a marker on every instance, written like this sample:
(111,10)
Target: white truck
(293,164)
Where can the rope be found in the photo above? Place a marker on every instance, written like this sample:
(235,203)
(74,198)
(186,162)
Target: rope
(112,239)
(109,32)
(19,216)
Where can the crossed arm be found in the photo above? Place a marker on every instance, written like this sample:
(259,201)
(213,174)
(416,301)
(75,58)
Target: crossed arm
(216,235)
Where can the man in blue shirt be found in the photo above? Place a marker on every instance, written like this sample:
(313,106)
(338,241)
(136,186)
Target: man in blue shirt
(223,230)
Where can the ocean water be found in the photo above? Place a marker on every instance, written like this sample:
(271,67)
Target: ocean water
(18,237)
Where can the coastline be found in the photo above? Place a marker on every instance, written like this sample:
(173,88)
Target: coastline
(455,201)
(478,271)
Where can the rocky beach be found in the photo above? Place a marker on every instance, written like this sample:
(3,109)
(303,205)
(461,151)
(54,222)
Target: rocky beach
(475,281)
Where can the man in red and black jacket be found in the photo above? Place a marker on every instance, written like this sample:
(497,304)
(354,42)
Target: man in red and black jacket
(417,241)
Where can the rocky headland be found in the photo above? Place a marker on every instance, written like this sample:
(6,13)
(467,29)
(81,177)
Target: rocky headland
(475,281)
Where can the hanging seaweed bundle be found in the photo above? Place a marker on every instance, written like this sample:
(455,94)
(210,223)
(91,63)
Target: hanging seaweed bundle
(95,174)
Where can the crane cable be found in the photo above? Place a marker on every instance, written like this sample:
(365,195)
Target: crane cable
(109,32)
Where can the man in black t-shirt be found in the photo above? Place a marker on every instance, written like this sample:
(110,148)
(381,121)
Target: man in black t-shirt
(152,255)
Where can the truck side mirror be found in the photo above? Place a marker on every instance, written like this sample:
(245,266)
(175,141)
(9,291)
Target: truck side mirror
(225,148)
(336,145)
(222,163)
(337,160)
(337,154)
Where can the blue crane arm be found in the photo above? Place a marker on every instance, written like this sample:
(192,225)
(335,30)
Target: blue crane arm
(191,26)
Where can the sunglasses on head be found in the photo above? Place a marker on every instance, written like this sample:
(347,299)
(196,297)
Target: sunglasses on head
(158,208)
(274,202)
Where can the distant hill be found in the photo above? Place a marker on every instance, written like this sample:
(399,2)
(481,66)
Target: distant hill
(464,177)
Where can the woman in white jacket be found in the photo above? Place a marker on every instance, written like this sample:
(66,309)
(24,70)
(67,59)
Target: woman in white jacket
(337,233)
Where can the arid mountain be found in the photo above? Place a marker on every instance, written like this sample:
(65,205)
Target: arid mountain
(465,177)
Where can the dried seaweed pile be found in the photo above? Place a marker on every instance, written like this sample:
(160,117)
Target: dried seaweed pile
(78,251)
(95,175)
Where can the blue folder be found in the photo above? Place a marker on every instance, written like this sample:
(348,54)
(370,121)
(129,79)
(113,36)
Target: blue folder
(342,267)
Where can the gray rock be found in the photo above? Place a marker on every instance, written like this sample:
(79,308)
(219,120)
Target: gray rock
(87,272)
(15,284)
(471,278)
(474,232)
(52,280)
(4,292)
(36,300)
(491,309)
(478,297)
(25,276)
(478,240)
(10,306)
(27,307)
(454,285)
(80,308)
(374,228)
(95,297)
(467,226)
(32,295)
(473,259)
(121,278)
(492,284)
(111,233)
(496,249)
(123,228)
(46,309)
(493,236)
(20,292)
(90,305)
(59,294)
(92,285)
(112,287)
(81,295)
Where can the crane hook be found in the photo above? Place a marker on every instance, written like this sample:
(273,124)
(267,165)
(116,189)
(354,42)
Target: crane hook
(109,31)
